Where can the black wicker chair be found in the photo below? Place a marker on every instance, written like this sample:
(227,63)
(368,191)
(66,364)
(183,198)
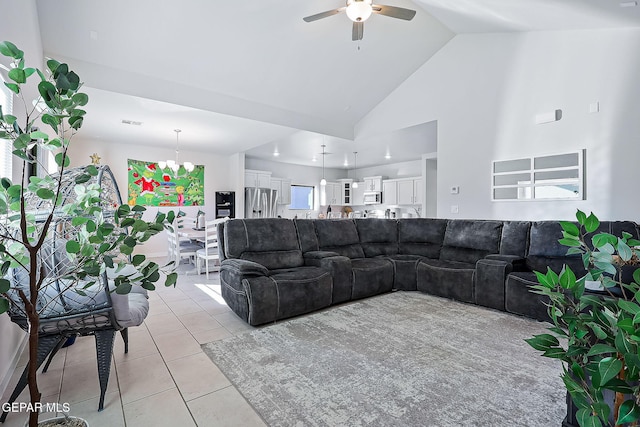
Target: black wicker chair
(72,307)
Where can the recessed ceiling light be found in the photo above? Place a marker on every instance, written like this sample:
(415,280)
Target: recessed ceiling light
(131,122)
(628,4)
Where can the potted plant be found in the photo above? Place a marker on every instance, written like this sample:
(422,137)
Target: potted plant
(99,244)
(596,333)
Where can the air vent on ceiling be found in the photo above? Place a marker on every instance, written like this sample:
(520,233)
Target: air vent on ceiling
(628,4)
(131,122)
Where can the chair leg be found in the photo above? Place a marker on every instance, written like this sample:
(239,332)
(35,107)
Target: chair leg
(104,350)
(206,263)
(53,353)
(125,337)
(45,345)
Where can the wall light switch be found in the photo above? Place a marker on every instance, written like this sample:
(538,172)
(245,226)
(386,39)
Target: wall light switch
(455,189)
(454,209)
(594,107)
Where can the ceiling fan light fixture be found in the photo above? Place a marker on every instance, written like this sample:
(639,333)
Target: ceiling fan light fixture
(359,10)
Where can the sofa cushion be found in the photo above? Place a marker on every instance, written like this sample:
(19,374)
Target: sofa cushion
(339,236)
(272,242)
(307,238)
(421,236)
(515,238)
(285,293)
(404,271)
(449,279)
(468,241)
(378,236)
(371,276)
(520,300)
(545,250)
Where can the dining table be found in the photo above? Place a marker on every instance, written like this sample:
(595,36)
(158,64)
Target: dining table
(193,234)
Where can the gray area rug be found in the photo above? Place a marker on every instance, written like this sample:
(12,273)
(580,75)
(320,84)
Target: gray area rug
(400,359)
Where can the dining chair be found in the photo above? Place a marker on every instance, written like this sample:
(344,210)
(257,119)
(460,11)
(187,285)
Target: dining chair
(210,250)
(179,248)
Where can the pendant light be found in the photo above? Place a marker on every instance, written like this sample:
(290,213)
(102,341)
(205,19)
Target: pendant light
(355,170)
(174,165)
(323,181)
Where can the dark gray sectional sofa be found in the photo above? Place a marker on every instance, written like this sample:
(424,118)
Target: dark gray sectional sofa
(274,268)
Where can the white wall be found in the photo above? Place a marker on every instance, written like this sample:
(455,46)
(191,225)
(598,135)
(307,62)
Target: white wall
(220,174)
(485,90)
(25,34)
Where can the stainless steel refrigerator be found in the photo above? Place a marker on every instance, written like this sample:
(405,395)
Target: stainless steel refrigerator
(260,203)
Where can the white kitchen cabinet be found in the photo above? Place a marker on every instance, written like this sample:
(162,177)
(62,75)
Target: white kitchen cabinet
(257,179)
(286,192)
(405,192)
(417,191)
(390,192)
(373,183)
(283,187)
(409,191)
(346,192)
(357,194)
(332,193)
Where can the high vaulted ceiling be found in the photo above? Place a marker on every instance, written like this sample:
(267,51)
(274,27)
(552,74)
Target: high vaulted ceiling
(235,75)
(252,59)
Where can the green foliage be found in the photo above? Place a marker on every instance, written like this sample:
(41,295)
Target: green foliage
(95,242)
(595,335)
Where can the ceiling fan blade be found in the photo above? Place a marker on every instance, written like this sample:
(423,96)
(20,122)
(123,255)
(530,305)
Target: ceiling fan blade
(394,12)
(358,31)
(323,14)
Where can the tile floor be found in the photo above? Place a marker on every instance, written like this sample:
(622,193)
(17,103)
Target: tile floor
(165,379)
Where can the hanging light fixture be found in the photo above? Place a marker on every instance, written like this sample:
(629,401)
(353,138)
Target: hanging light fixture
(359,10)
(355,170)
(174,165)
(323,181)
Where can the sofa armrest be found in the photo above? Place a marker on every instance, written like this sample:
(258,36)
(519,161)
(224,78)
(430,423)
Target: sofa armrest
(340,269)
(314,257)
(489,281)
(243,267)
(517,262)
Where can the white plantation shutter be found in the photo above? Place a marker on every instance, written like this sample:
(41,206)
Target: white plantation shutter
(6,100)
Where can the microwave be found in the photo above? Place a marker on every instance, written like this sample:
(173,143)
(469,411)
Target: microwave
(372,198)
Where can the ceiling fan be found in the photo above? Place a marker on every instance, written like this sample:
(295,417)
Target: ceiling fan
(360,10)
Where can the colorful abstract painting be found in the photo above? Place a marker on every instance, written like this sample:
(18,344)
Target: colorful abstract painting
(151,186)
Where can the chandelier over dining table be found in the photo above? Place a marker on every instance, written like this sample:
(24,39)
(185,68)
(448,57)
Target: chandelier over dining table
(174,165)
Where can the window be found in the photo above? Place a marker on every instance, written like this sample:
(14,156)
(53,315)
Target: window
(301,197)
(6,100)
(558,177)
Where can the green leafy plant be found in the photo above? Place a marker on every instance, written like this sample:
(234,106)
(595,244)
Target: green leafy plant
(30,210)
(596,334)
